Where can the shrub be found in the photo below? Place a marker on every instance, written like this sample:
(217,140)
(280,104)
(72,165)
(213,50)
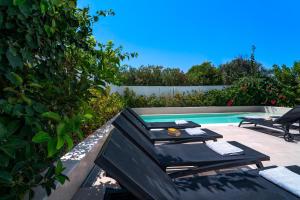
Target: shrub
(48,63)
(248,91)
(102,107)
(260,91)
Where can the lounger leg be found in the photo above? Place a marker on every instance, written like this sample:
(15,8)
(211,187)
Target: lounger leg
(259,165)
(241,123)
(287,135)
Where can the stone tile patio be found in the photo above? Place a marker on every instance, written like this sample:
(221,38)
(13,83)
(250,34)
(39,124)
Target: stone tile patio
(264,140)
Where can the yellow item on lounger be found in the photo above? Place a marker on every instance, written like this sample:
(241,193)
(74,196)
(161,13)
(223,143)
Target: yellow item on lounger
(173,132)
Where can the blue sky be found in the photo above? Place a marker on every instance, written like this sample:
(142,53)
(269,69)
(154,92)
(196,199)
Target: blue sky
(183,33)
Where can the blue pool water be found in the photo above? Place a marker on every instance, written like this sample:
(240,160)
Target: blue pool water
(209,118)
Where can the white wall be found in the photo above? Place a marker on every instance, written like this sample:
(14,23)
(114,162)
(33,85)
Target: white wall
(212,109)
(165,90)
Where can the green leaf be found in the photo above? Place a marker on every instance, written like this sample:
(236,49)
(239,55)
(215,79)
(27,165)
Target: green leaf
(38,107)
(60,129)
(50,172)
(61,179)
(88,116)
(48,30)
(18,2)
(14,61)
(35,85)
(51,147)
(43,6)
(52,115)
(5,177)
(40,137)
(60,142)
(69,141)
(10,89)
(26,99)
(59,167)
(53,23)
(15,79)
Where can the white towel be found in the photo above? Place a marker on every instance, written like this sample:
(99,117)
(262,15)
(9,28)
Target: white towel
(254,117)
(224,148)
(180,122)
(284,178)
(157,129)
(194,131)
(259,117)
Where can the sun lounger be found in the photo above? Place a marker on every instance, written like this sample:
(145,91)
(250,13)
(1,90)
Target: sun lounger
(142,178)
(122,123)
(198,156)
(153,125)
(283,123)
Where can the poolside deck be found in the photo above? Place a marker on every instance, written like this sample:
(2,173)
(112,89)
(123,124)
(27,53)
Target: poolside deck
(264,140)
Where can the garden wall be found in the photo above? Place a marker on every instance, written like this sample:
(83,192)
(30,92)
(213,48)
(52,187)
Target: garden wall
(165,90)
(212,109)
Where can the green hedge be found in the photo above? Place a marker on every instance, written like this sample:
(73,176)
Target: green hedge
(247,91)
(102,106)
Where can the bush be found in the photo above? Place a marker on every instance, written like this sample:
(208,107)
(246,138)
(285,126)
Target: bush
(102,107)
(260,91)
(248,91)
(48,64)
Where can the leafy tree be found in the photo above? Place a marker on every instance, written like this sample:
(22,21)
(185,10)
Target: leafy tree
(290,77)
(204,74)
(152,75)
(149,75)
(173,77)
(48,64)
(240,67)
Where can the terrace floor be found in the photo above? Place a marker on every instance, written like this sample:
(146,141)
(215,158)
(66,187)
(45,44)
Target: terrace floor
(264,140)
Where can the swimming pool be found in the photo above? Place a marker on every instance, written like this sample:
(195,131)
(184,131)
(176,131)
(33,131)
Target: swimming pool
(206,118)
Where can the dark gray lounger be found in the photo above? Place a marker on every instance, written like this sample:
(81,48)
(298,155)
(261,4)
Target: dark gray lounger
(153,125)
(144,179)
(158,136)
(197,156)
(284,122)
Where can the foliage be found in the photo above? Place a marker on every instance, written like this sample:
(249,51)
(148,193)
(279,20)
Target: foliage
(102,107)
(152,75)
(186,99)
(260,91)
(204,74)
(173,76)
(245,92)
(48,62)
(238,68)
(289,77)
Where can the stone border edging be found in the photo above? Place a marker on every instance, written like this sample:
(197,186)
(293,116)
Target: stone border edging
(78,163)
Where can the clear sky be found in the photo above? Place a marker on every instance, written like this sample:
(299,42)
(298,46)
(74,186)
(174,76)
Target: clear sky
(182,33)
